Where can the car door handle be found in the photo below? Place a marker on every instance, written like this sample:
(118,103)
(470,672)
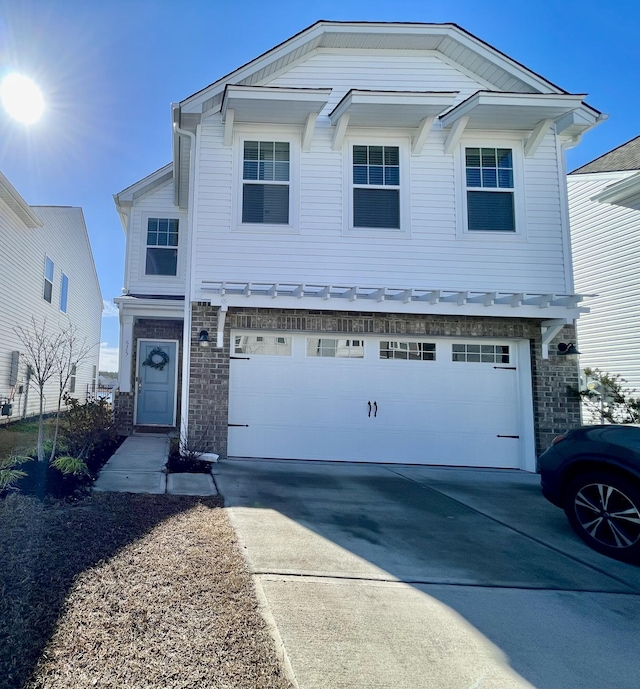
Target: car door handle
(375,409)
(369,403)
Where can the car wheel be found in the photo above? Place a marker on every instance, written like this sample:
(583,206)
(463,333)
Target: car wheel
(604,510)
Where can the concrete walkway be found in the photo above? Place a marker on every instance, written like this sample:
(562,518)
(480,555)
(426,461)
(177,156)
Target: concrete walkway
(407,577)
(139,466)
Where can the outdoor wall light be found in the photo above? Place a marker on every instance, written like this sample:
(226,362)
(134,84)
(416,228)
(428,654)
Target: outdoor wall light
(567,349)
(203,338)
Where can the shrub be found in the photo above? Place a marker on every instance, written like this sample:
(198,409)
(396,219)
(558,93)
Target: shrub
(8,472)
(607,400)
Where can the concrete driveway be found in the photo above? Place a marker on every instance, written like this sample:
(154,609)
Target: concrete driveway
(381,576)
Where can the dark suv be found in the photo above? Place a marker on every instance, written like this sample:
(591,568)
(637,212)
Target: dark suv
(593,473)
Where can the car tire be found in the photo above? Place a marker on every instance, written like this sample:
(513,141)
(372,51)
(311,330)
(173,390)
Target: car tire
(603,508)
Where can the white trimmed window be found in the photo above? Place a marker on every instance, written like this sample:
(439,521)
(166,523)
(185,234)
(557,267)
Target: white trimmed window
(490,191)
(376,187)
(64,293)
(267,345)
(162,246)
(48,279)
(266,177)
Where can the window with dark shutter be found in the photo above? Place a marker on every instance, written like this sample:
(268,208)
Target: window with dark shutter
(376,187)
(266,177)
(490,190)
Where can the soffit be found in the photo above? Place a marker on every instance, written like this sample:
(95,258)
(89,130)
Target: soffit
(391,108)
(271,105)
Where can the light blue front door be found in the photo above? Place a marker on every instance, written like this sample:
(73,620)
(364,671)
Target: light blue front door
(156,383)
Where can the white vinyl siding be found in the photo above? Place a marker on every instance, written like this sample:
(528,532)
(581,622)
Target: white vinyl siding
(156,204)
(605,240)
(63,238)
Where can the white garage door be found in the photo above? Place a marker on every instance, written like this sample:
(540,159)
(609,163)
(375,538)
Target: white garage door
(379,399)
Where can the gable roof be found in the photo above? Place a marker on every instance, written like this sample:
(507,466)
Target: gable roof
(624,157)
(454,43)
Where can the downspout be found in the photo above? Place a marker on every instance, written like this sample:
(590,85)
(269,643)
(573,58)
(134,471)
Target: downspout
(186,328)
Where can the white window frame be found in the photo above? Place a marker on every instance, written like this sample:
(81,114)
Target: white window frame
(519,192)
(144,223)
(271,133)
(376,139)
(48,280)
(64,293)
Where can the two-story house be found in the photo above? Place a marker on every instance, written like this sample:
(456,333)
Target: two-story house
(604,208)
(360,251)
(47,274)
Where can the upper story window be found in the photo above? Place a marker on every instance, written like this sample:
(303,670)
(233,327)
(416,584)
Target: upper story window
(376,187)
(48,279)
(265,182)
(64,293)
(490,189)
(162,246)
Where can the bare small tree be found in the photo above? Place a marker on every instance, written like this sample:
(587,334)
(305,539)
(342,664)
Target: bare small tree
(50,354)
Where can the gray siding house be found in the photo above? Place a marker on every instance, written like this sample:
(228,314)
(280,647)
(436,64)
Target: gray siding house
(360,251)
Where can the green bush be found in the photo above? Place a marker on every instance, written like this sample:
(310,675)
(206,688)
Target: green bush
(8,472)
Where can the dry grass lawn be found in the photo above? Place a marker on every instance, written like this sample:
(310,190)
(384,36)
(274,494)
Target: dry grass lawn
(128,591)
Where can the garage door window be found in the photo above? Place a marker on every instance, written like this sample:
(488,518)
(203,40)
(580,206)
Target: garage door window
(415,351)
(268,345)
(490,354)
(336,348)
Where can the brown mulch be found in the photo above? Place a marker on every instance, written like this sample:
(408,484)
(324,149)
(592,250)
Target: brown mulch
(128,591)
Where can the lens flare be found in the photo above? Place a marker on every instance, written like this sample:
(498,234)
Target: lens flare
(21,98)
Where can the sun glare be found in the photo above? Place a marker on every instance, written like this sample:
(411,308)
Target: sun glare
(21,98)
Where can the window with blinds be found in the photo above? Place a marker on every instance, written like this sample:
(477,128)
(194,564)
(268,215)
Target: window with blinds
(490,191)
(376,187)
(162,246)
(266,177)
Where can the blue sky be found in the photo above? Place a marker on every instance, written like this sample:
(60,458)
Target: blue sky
(110,70)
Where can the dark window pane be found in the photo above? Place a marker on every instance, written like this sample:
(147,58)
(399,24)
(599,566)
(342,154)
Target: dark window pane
(376,208)
(265,170)
(281,171)
(267,150)
(474,177)
(251,150)
(505,179)
(491,211)
(48,290)
(360,174)
(375,175)
(392,176)
(488,157)
(250,169)
(282,151)
(489,178)
(162,261)
(391,155)
(375,155)
(265,203)
(473,157)
(360,155)
(504,157)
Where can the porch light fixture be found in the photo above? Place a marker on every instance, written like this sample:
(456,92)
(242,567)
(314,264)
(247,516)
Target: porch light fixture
(567,349)
(203,338)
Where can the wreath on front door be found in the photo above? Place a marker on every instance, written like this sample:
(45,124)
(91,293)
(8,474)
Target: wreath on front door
(157,358)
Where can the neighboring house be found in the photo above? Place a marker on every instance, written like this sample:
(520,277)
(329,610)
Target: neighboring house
(604,207)
(46,273)
(368,227)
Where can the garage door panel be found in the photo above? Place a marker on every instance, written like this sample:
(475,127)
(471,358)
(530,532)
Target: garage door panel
(422,411)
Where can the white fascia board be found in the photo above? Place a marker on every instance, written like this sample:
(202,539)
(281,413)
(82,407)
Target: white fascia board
(17,204)
(143,186)
(625,190)
(418,105)
(296,104)
(542,106)
(150,308)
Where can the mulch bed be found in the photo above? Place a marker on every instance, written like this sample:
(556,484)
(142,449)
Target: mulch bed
(128,591)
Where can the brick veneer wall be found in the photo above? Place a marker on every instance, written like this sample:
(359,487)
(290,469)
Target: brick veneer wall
(151,329)
(555,408)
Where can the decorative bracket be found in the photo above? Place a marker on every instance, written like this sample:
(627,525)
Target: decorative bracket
(222,315)
(549,330)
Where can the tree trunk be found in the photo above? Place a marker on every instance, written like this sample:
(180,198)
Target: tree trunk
(41,430)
